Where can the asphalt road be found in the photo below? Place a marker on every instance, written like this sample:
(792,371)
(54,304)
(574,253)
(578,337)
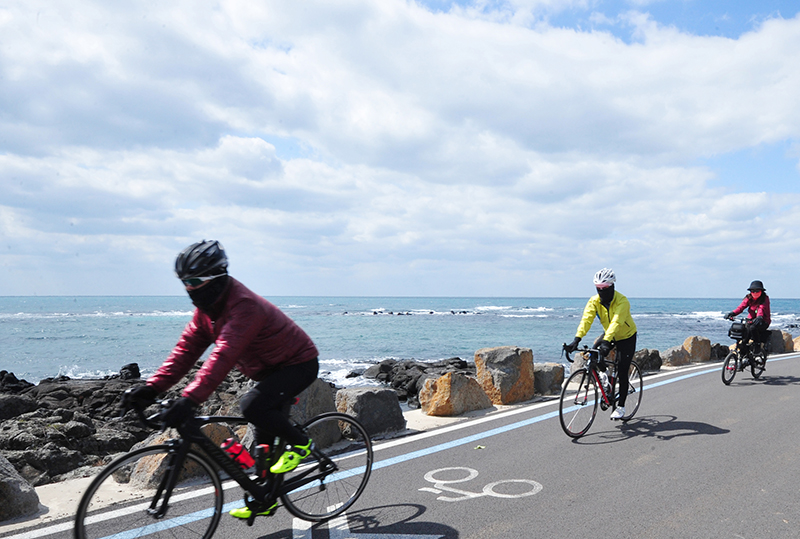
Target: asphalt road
(700,459)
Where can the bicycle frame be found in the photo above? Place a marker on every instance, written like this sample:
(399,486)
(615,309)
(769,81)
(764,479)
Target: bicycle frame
(591,366)
(272,489)
(745,352)
(170,481)
(583,392)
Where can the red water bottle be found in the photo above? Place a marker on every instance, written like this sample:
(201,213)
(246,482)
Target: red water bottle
(238,453)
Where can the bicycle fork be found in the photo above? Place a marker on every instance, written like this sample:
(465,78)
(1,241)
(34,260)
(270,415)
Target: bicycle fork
(160,504)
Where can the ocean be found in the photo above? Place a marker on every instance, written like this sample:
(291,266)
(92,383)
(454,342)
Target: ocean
(89,337)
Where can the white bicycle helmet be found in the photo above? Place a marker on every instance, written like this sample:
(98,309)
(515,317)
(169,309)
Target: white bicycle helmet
(605,277)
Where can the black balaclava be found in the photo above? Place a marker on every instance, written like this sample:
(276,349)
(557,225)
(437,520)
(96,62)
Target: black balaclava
(606,295)
(206,296)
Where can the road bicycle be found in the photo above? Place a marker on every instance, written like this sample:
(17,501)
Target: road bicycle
(583,392)
(743,354)
(175,489)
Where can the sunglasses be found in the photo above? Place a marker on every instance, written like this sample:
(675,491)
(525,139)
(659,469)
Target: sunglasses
(197,281)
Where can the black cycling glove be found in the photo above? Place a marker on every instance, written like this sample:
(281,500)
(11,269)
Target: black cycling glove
(604,348)
(140,396)
(571,347)
(179,412)
(730,316)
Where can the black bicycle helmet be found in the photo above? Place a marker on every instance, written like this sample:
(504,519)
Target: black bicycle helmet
(201,259)
(756,285)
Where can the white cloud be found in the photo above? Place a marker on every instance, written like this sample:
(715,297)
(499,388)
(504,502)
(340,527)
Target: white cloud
(464,152)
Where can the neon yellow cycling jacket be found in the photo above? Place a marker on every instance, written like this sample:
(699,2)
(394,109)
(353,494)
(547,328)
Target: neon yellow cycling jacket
(616,320)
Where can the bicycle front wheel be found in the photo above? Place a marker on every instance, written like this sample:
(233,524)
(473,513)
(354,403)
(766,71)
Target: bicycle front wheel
(729,368)
(635,388)
(340,466)
(126,496)
(578,405)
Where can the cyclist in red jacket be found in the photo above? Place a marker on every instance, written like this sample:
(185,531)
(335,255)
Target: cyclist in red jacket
(249,334)
(758,313)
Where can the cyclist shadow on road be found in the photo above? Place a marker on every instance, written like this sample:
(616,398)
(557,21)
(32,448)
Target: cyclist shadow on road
(661,427)
(779,380)
(388,520)
(766,381)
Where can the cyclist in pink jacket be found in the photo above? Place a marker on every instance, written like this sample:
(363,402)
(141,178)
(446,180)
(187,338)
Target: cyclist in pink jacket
(758,313)
(248,333)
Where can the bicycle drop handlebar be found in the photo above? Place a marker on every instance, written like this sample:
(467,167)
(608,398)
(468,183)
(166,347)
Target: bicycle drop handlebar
(593,352)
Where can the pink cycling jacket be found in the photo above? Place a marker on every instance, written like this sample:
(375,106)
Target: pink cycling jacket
(755,310)
(250,334)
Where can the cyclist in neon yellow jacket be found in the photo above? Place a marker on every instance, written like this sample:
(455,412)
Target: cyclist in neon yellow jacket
(614,312)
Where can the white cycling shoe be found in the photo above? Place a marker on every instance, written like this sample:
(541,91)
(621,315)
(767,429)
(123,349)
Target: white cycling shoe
(619,413)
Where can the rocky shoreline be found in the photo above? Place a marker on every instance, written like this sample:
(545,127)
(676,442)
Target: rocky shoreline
(61,428)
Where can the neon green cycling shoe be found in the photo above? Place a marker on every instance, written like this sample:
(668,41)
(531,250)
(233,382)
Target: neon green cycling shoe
(245,512)
(291,458)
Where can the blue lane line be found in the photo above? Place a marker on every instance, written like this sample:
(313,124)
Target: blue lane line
(524,423)
(461,441)
(437,448)
(164,525)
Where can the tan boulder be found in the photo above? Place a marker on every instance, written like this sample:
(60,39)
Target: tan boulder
(148,470)
(788,343)
(796,344)
(506,373)
(698,348)
(452,394)
(675,356)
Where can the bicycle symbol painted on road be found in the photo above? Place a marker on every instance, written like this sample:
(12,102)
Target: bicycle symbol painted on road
(524,487)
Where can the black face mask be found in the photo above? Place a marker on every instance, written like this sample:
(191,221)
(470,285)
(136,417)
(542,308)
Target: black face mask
(206,296)
(606,294)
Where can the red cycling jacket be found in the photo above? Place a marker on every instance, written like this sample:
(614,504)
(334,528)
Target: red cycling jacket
(755,309)
(250,333)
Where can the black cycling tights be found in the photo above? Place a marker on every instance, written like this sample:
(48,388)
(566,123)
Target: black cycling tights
(757,332)
(262,405)
(625,350)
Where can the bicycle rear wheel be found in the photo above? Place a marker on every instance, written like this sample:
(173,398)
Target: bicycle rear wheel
(758,363)
(341,464)
(729,368)
(635,388)
(123,498)
(578,404)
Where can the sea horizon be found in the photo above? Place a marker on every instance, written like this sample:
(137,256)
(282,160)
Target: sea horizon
(94,336)
(586,297)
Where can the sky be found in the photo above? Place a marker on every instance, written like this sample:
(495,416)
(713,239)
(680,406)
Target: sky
(402,148)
